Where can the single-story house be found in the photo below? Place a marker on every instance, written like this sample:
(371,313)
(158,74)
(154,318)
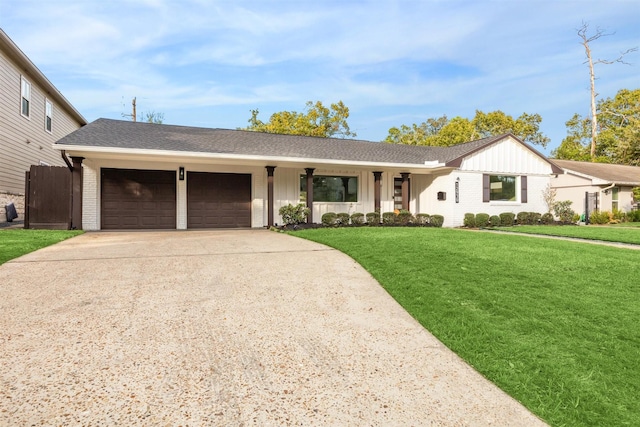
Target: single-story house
(154,176)
(611,183)
(33,115)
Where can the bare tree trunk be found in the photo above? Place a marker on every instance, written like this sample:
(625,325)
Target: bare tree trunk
(594,113)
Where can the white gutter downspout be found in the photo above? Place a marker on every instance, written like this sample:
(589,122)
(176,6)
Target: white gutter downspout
(606,189)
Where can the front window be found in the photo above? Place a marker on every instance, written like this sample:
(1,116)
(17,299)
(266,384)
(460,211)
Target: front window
(48,115)
(25,92)
(502,188)
(614,198)
(331,188)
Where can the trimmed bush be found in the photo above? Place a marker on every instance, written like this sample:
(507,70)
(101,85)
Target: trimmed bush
(494,221)
(342,218)
(482,220)
(373,218)
(357,218)
(522,218)
(405,218)
(389,218)
(535,218)
(329,219)
(436,220)
(547,218)
(422,219)
(292,215)
(506,219)
(469,220)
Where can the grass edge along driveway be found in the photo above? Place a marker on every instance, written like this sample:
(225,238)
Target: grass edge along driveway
(15,242)
(629,235)
(551,322)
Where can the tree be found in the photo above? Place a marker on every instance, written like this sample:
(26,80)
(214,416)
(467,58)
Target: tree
(586,40)
(618,132)
(152,117)
(444,132)
(317,120)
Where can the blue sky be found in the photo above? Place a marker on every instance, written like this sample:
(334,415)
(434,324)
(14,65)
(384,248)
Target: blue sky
(208,63)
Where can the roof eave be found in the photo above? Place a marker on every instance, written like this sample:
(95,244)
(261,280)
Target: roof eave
(25,64)
(81,151)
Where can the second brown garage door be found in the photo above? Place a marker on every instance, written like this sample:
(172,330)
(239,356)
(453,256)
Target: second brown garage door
(218,200)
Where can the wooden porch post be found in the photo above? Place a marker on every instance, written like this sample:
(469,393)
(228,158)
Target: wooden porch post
(310,194)
(377,190)
(405,190)
(76,193)
(270,170)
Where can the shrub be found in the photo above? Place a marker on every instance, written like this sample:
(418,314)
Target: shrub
(523,218)
(563,211)
(469,220)
(436,220)
(482,219)
(494,221)
(342,218)
(547,218)
(373,218)
(329,219)
(389,218)
(633,216)
(292,215)
(506,219)
(357,218)
(405,218)
(422,219)
(599,218)
(535,217)
(619,215)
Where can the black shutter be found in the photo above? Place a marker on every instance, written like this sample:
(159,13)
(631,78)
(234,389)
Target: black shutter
(523,189)
(486,188)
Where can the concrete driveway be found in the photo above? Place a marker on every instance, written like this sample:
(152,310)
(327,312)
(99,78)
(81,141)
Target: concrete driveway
(222,328)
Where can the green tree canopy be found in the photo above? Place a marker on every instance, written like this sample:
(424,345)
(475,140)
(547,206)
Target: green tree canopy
(618,132)
(316,120)
(446,132)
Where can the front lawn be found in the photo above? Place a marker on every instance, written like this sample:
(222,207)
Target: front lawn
(553,323)
(590,232)
(16,242)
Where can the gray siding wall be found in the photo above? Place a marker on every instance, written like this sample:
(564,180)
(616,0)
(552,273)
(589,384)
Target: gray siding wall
(24,141)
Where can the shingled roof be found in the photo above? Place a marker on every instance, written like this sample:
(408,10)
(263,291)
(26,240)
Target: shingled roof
(118,134)
(605,172)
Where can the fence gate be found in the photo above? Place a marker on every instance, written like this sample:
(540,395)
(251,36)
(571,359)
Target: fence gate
(590,204)
(48,198)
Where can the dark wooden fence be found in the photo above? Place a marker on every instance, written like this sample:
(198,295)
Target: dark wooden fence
(48,198)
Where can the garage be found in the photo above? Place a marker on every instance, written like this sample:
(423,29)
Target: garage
(218,200)
(137,199)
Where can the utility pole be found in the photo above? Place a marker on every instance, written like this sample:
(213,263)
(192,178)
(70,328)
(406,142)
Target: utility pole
(133,112)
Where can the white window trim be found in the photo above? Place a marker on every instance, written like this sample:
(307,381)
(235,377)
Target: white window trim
(24,80)
(50,104)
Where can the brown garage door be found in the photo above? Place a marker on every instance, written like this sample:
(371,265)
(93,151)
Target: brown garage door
(138,199)
(218,200)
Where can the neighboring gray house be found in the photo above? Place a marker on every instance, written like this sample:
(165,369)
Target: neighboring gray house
(33,115)
(612,183)
(149,176)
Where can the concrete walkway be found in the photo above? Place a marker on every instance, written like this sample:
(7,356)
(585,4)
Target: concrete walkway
(229,328)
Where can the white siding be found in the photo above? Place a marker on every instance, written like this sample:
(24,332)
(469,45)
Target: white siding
(507,156)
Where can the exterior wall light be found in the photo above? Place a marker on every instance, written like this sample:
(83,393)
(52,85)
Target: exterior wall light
(181,173)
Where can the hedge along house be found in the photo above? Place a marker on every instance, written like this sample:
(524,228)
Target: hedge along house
(150,176)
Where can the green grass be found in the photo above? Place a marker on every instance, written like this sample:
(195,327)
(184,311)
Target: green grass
(553,323)
(590,232)
(17,242)
(625,225)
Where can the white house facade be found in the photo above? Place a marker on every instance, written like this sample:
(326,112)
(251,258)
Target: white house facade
(148,176)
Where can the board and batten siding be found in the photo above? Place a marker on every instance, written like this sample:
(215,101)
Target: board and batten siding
(25,141)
